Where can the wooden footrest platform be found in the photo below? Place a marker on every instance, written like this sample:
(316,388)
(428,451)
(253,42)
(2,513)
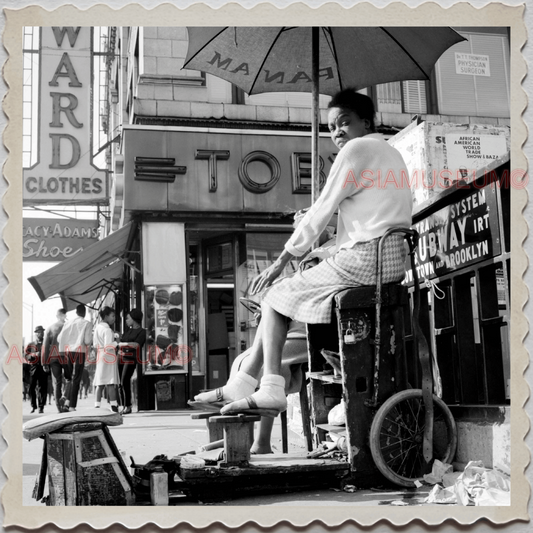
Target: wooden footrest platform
(264,473)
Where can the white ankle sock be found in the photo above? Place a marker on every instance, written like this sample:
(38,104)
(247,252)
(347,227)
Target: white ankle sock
(271,395)
(240,386)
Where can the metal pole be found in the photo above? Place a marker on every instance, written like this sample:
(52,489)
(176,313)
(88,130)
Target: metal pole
(29,307)
(315,166)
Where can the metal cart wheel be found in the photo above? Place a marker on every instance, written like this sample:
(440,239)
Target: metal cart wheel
(397,434)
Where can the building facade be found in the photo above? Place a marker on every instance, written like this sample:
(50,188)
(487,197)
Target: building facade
(209,179)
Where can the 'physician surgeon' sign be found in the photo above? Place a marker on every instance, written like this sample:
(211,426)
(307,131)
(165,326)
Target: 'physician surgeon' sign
(64,172)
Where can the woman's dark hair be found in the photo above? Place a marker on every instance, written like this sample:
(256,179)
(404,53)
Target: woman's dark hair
(136,315)
(106,311)
(360,104)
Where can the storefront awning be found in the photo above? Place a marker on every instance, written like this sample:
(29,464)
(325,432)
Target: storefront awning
(90,274)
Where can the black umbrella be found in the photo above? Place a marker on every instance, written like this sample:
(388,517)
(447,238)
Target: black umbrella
(321,60)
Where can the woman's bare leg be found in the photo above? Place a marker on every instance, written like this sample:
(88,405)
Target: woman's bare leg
(274,337)
(253,364)
(262,440)
(271,395)
(112,397)
(99,391)
(111,394)
(244,382)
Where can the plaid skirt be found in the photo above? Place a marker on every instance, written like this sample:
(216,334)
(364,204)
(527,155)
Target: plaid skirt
(307,296)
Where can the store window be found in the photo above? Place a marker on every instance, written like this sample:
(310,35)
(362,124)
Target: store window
(167,350)
(165,297)
(414,96)
(401,97)
(389,97)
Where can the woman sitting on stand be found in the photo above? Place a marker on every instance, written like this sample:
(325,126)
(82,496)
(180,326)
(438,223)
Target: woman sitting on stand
(368,186)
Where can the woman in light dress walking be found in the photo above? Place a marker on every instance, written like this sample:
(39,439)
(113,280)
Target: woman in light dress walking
(106,375)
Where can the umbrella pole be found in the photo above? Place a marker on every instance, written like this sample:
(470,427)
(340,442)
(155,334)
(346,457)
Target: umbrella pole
(315,161)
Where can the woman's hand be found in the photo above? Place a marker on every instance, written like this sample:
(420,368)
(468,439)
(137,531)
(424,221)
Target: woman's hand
(270,274)
(125,348)
(266,278)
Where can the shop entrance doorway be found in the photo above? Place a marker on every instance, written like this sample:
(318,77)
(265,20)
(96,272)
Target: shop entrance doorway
(222,265)
(219,260)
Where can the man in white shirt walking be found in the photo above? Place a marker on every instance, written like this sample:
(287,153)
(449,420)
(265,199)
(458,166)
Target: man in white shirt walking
(74,343)
(52,361)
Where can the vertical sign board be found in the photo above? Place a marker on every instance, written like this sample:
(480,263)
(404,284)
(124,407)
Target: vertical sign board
(64,172)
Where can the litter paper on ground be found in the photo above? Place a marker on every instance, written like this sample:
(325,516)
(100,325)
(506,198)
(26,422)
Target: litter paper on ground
(477,485)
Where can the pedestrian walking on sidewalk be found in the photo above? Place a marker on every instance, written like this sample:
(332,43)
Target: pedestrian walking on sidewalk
(38,377)
(130,348)
(53,362)
(85,383)
(106,376)
(74,344)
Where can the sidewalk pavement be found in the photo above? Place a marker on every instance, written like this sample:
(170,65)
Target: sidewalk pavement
(144,435)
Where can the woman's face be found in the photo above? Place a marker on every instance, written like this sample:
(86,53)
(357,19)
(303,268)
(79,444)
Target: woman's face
(110,319)
(129,321)
(345,125)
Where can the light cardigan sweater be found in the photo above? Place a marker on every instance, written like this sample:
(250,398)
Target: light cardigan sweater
(369,184)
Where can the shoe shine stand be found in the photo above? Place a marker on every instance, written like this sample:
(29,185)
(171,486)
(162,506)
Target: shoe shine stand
(352,333)
(392,432)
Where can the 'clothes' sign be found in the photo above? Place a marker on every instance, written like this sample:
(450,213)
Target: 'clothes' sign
(65,173)
(52,239)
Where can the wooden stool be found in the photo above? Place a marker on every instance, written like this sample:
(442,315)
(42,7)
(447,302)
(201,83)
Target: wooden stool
(237,432)
(238,437)
(84,467)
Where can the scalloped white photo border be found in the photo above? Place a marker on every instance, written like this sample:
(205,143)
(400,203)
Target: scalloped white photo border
(495,14)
